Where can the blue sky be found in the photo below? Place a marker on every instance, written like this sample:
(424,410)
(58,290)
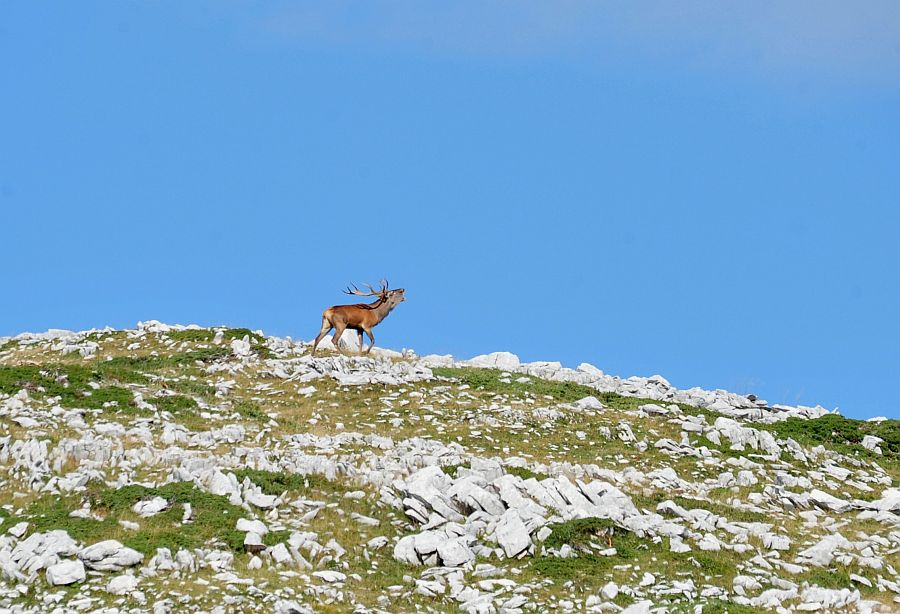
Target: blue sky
(709,194)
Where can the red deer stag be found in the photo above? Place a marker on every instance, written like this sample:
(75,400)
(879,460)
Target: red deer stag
(362,317)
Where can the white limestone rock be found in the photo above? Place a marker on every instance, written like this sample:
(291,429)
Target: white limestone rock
(280,554)
(455,552)
(109,555)
(65,572)
(870,442)
(822,553)
(512,534)
(150,507)
(121,585)
(405,550)
(254,526)
(609,591)
(330,576)
(18,529)
(590,402)
(497,360)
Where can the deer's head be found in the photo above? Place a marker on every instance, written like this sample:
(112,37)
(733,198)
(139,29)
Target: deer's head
(391,297)
(395,297)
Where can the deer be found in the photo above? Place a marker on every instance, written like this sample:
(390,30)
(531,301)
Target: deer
(361,317)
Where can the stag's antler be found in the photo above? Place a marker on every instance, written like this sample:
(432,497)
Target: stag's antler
(372,292)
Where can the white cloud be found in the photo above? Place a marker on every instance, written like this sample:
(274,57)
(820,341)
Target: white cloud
(823,38)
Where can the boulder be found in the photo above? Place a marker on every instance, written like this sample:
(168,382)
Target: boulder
(590,402)
(455,552)
(150,507)
(511,534)
(497,360)
(254,526)
(65,572)
(405,550)
(121,585)
(109,555)
(870,442)
(280,554)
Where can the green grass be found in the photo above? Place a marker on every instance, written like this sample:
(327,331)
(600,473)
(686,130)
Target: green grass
(206,335)
(732,514)
(578,533)
(192,387)
(524,473)
(69,382)
(49,513)
(488,380)
(184,410)
(718,606)
(278,482)
(250,410)
(214,518)
(175,404)
(156,363)
(73,382)
(843,434)
(590,569)
(451,469)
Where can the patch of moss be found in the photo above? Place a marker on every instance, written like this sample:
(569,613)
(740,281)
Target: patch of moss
(278,482)
(206,335)
(273,538)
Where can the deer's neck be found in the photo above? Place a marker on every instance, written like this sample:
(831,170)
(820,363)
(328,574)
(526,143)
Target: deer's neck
(382,311)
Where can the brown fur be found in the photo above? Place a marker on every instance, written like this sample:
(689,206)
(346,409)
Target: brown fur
(361,317)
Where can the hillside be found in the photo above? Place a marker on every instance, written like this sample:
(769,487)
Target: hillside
(184,469)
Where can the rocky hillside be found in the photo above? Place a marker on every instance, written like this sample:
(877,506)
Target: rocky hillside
(183,469)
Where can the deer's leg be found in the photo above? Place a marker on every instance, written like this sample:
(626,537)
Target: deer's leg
(326,326)
(338,332)
(371,338)
(360,333)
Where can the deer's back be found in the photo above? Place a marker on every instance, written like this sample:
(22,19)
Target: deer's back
(349,314)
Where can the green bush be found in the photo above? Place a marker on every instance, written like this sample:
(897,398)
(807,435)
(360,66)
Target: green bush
(834,429)
(277,482)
